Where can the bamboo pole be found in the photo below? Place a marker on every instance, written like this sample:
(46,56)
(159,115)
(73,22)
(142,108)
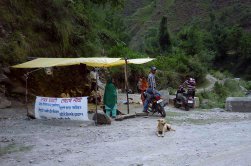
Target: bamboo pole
(126,84)
(96,100)
(26,89)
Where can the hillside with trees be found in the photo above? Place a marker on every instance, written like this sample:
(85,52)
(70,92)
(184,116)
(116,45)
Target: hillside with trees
(192,37)
(216,32)
(54,28)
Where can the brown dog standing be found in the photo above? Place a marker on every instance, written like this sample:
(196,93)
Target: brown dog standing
(163,127)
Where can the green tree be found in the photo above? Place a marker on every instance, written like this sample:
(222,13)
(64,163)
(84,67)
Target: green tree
(114,3)
(191,40)
(164,36)
(151,42)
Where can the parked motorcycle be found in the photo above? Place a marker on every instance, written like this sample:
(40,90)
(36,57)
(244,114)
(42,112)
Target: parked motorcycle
(156,105)
(185,100)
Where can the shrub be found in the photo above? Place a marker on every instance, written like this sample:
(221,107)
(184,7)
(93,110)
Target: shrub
(247,85)
(219,75)
(220,90)
(217,97)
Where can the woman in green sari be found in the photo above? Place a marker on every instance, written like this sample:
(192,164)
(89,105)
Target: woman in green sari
(110,99)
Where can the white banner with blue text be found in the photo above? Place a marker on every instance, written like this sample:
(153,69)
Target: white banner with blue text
(61,108)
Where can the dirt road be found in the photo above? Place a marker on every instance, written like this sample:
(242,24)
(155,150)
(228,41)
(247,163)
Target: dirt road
(201,138)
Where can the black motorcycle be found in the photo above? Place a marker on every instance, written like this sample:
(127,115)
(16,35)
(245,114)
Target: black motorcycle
(184,99)
(156,105)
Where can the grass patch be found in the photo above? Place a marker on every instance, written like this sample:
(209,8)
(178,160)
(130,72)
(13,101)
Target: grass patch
(11,148)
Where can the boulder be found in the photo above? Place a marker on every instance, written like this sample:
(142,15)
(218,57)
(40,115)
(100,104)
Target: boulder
(4,102)
(238,104)
(102,118)
(31,111)
(196,102)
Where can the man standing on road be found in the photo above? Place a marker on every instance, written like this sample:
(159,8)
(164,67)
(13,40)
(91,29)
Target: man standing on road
(151,90)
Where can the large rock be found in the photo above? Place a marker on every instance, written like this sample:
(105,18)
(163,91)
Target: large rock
(31,111)
(196,102)
(238,104)
(4,103)
(102,118)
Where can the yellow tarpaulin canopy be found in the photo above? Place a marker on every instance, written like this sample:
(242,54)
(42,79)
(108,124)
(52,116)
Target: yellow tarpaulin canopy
(94,62)
(131,61)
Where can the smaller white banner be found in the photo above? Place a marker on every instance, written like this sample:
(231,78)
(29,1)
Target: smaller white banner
(61,108)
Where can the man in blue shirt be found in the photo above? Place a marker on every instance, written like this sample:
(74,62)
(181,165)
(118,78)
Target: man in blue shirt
(151,90)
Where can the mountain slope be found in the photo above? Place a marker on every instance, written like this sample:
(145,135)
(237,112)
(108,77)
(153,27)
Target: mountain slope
(180,13)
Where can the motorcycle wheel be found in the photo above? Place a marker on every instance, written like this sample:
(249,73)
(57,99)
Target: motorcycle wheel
(187,107)
(175,104)
(161,110)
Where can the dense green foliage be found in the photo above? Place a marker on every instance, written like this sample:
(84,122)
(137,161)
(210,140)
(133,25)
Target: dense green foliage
(57,28)
(164,37)
(186,37)
(233,52)
(217,33)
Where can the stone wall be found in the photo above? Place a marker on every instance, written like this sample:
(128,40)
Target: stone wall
(238,104)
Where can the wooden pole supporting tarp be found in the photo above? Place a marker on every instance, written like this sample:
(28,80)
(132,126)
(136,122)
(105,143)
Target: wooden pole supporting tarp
(126,84)
(96,100)
(26,89)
